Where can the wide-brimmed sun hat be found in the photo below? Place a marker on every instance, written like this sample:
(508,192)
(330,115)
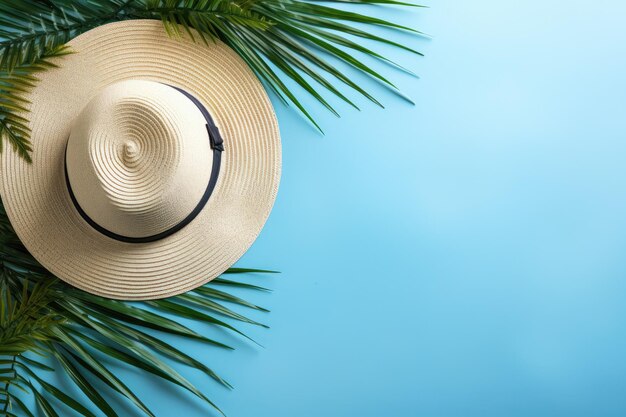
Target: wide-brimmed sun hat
(155,163)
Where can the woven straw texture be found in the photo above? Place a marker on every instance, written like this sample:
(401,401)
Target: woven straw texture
(139,158)
(39,205)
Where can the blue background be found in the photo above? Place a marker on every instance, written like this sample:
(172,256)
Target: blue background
(460,257)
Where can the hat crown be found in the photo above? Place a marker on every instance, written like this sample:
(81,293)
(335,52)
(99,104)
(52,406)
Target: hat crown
(139,158)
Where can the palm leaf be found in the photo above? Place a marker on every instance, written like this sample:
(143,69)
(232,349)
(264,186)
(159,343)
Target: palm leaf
(273,37)
(290,34)
(40,314)
(14,127)
(28,28)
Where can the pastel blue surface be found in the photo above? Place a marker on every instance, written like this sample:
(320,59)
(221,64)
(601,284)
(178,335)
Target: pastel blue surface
(460,257)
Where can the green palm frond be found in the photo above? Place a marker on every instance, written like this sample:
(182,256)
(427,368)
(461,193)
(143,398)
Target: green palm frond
(29,28)
(26,321)
(14,126)
(40,314)
(204,16)
(294,38)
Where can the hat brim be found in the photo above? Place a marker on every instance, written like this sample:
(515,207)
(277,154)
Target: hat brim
(37,200)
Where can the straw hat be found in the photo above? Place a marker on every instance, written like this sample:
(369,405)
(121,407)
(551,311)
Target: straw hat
(156,163)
